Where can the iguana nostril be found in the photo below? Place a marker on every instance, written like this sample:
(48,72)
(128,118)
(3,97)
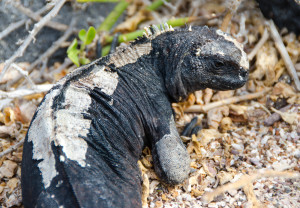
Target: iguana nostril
(243,72)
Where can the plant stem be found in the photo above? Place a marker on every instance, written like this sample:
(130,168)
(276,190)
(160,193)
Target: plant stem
(105,50)
(155,5)
(104,1)
(133,35)
(111,19)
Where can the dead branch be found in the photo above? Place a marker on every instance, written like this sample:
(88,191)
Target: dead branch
(12,27)
(284,54)
(37,27)
(12,148)
(260,43)
(15,25)
(24,73)
(207,107)
(36,17)
(55,46)
(246,179)
(24,92)
(67,62)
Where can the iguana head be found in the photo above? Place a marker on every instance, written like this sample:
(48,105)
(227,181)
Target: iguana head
(199,58)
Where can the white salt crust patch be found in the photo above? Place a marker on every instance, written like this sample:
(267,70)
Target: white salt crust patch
(244,59)
(129,54)
(105,80)
(70,125)
(41,135)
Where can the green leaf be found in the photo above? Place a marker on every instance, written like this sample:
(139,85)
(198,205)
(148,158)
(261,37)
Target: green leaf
(73,52)
(73,55)
(82,35)
(83,60)
(91,33)
(73,45)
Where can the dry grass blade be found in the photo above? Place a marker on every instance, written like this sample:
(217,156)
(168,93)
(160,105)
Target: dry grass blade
(207,107)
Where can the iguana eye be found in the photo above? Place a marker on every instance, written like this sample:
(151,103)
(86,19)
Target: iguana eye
(219,64)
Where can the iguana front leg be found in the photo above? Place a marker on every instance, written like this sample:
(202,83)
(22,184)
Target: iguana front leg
(170,157)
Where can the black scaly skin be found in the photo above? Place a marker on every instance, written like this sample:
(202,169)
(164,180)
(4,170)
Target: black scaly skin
(121,123)
(285,13)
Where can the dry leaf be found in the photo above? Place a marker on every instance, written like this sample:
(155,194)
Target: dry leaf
(221,95)
(208,93)
(266,59)
(146,160)
(225,177)
(8,169)
(131,23)
(215,115)
(194,146)
(13,183)
(193,180)
(226,124)
(287,117)
(206,135)
(9,131)
(196,192)
(239,109)
(153,185)
(199,97)
(159,204)
(9,116)
(145,190)
(283,89)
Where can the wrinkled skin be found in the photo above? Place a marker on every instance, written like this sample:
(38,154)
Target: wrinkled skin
(114,126)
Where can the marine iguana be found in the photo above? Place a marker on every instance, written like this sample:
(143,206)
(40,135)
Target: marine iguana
(87,135)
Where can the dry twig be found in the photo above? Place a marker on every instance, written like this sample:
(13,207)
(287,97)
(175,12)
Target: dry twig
(12,27)
(24,73)
(37,27)
(232,6)
(284,54)
(37,17)
(260,43)
(207,107)
(55,46)
(15,25)
(246,179)
(24,92)
(12,148)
